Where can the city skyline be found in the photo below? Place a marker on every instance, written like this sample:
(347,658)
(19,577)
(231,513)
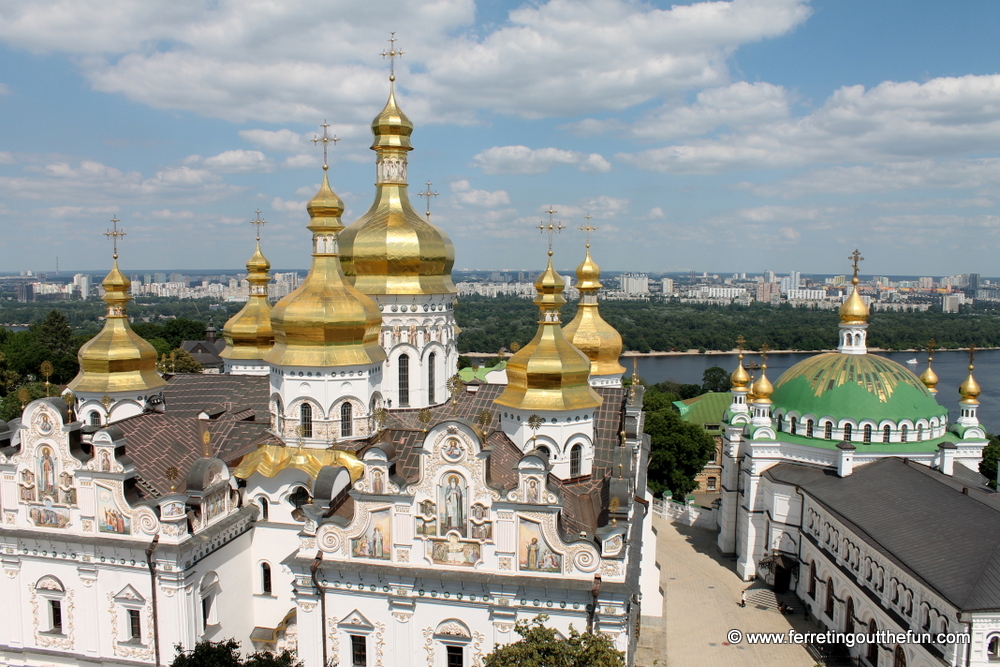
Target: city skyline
(734,134)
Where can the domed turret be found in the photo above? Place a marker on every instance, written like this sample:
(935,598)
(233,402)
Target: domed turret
(854,310)
(929,377)
(740,378)
(590,333)
(325,321)
(249,334)
(970,390)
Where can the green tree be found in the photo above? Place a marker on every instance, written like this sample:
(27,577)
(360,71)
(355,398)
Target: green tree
(991,459)
(10,405)
(715,378)
(539,646)
(8,377)
(679,450)
(179,361)
(227,654)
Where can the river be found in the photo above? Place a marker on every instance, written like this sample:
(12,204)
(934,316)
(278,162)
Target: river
(950,366)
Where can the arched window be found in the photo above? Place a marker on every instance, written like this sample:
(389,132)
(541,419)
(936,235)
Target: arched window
(872,646)
(993,648)
(544,450)
(279,413)
(829,598)
(812,580)
(346,420)
(903,433)
(849,616)
(848,432)
(265,578)
(886,432)
(920,433)
(263,502)
(795,426)
(898,657)
(95,418)
(809,428)
(431,376)
(576,460)
(828,431)
(306,420)
(404,380)
(868,433)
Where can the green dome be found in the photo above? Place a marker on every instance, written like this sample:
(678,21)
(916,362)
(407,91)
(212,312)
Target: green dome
(856,387)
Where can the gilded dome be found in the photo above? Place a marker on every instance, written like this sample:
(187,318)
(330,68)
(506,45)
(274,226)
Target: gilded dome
(762,388)
(117,359)
(248,333)
(929,377)
(549,373)
(588,331)
(740,379)
(392,249)
(854,310)
(969,390)
(854,386)
(325,321)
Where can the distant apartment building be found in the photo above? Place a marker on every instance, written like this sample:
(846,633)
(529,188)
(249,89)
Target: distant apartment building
(806,294)
(667,285)
(950,302)
(925,283)
(705,292)
(81,284)
(768,291)
(790,282)
(635,283)
(770,277)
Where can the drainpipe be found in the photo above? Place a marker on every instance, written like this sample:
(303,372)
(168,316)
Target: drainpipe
(595,590)
(152,587)
(313,569)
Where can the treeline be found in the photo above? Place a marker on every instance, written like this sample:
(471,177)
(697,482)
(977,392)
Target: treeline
(488,324)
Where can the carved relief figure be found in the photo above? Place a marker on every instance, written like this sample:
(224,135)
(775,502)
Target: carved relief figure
(534,554)
(453,503)
(376,541)
(109,518)
(46,473)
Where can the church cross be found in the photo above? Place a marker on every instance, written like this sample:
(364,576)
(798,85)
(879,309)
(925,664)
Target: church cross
(257,222)
(551,228)
(326,140)
(114,234)
(588,228)
(856,257)
(764,349)
(741,343)
(931,346)
(972,355)
(427,194)
(392,54)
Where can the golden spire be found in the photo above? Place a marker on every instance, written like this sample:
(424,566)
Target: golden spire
(929,377)
(969,390)
(325,322)
(762,387)
(248,333)
(549,373)
(740,378)
(392,249)
(854,310)
(117,359)
(588,331)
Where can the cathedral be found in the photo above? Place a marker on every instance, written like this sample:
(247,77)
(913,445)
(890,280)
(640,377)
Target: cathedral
(337,491)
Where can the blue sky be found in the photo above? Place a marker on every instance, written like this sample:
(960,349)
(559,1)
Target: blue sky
(715,136)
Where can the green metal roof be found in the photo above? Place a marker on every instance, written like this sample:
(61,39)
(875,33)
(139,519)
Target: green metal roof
(854,386)
(708,408)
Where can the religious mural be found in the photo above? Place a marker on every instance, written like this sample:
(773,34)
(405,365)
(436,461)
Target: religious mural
(534,554)
(46,473)
(67,492)
(377,540)
(27,486)
(452,551)
(378,482)
(109,518)
(215,504)
(452,513)
(49,516)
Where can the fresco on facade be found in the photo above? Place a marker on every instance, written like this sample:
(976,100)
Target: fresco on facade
(215,504)
(172,510)
(377,540)
(67,492)
(378,482)
(46,473)
(482,531)
(454,552)
(49,516)
(109,518)
(426,526)
(532,490)
(105,461)
(27,486)
(534,554)
(452,451)
(453,515)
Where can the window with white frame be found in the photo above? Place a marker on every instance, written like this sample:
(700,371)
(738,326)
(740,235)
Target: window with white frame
(209,602)
(53,593)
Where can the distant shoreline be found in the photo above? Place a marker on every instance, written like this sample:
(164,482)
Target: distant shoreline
(707,353)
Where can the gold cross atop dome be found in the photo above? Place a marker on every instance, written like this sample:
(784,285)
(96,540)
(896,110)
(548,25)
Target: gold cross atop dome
(972,355)
(257,222)
(588,228)
(427,194)
(855,258)
(741,343)
(114,234)
(392,53)
(551,228)
(326,140)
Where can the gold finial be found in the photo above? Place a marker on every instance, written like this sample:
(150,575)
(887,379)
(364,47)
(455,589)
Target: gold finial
(855,258)
(764,349)
(70,399)
(427,194)
(551,228)
(172,474)
(114,234)
(740,379)
(762,387)
(741,343)
(588,228)
(534,423)
(969,390)
(972,356)
(392,54)
(23,396)
(929,377)
(47,370)
(257,222)
(206,441)
(106,401)
(326,140)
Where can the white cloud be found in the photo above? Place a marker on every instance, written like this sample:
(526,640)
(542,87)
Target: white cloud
(301,160)
(235,161)
(279,204)
(6,157)
(655,213)
(465,194)
(789,234)
(4,89)
(524,160)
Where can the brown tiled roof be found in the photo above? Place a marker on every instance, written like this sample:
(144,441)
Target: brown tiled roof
(157,441)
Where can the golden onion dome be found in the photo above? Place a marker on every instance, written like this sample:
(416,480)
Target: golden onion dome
(854,310)
(549,373)
(117,359)
(325,321)
(762,388)
(739,378)
(392,249)
(588,331)
(970,390)
(248,333)
(929,377)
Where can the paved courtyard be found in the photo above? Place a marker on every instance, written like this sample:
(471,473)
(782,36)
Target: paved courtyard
(702,594)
